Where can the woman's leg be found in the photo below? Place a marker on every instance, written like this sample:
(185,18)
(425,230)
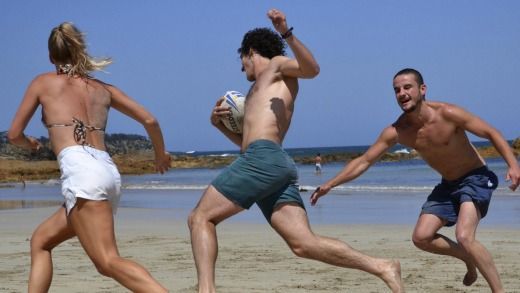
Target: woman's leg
(93,223)
(48,235)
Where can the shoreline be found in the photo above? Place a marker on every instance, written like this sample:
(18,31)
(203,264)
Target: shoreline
(252,257)
(357,207)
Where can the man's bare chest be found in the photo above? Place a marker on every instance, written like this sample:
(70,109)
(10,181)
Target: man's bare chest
(428,136)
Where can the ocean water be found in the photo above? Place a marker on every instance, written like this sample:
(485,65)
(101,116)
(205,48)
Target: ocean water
(312,151)
(394,177)
(389,192)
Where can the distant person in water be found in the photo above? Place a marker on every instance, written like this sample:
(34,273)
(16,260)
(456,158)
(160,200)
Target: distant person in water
(75,110)
(437,131)
(22,180)
(317,162)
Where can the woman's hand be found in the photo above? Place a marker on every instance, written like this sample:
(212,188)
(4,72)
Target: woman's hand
(163,162)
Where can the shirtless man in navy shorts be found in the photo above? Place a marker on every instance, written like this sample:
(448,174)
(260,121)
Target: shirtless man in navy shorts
(437,131)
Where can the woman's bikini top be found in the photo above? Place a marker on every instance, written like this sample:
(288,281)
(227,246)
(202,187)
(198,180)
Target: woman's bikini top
(80,129)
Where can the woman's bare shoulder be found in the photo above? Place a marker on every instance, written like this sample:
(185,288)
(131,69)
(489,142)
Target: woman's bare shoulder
(46,77)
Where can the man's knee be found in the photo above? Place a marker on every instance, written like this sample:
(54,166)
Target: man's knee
(107,266)
(303,247)
(300,249)
(422,240)
(192,218)
(465,239)
(197,218)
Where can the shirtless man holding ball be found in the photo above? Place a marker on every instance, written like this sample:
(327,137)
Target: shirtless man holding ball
(264,174)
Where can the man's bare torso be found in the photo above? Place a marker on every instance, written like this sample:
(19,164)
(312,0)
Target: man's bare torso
(269,107)
(441,143)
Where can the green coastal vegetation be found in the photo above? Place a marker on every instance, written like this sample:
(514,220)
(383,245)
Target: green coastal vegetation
(133,154)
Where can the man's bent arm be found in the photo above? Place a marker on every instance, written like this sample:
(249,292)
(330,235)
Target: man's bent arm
(482,129)
(503,148)
(305,66)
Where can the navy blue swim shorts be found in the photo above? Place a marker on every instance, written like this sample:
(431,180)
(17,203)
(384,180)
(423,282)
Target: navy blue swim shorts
(446,198)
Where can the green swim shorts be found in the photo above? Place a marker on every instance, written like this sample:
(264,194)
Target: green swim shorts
(264,174)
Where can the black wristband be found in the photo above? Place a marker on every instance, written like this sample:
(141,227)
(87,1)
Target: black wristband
(287,34)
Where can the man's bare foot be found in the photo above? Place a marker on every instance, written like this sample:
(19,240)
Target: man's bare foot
(471,275)
(391,275)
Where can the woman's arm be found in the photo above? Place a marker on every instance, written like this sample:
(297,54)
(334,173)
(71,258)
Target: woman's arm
(126,105)
(22,117)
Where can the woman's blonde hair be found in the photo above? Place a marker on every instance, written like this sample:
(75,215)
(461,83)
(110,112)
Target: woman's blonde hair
(68,51)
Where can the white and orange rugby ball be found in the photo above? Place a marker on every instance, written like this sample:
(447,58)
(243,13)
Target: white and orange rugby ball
(235,101)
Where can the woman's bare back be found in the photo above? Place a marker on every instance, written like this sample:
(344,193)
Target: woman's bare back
(75,110)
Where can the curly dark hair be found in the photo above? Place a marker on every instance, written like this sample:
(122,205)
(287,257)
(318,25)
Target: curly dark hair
(264,41)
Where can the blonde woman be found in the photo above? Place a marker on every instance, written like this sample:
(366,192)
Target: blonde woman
(75,111)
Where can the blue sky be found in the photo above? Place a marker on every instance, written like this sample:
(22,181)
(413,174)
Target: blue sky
(178,57)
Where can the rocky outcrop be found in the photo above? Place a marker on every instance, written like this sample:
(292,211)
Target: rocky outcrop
(516,144)
(122,144)
(133,154)
(116,144)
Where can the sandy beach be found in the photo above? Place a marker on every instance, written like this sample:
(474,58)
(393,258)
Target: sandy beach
(252,258)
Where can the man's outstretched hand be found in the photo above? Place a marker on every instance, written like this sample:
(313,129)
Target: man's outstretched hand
(319,192)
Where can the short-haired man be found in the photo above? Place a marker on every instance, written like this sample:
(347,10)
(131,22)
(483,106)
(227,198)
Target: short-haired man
(437,131)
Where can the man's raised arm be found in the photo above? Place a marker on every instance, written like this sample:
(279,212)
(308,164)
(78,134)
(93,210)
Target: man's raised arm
(305,66)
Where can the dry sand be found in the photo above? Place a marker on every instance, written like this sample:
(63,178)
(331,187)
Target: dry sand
(252,258)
